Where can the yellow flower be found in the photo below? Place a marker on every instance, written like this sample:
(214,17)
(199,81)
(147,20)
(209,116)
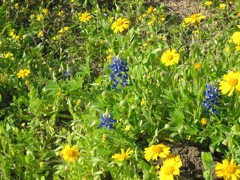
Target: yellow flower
(60,13)
(104,137)
(56,37)
(16,5)
(127,128)
(194,19)
(39,17)
(162,17)
(78,102)
(197,66)
(152,20)
(120,25)
(170,57)
(40,34)
(149,10)
(124,155)
(110,19)
(229,82)
(23,124)
(85,17)
(9,55)
(23,73)
(204,121)
(229,171)
(63,30)
(12,32)
(188,137)
(208,3)
(236,37)
(143,102)
(15,37)
(44,11)
(228,49)
(109,51)
(69,154)
(195,32)
(238,14)
(41,164)
(160,36)
(155,151)
(237,48)
(222,6)
(170,168)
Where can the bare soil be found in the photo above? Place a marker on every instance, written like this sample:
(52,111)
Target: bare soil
(192,166)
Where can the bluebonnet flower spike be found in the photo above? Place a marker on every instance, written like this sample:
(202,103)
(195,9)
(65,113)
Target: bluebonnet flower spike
(107,121)
(212,95)
(119,72)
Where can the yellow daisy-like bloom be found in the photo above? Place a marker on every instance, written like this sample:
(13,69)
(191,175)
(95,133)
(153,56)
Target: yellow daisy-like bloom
(155,151)
(208,3)
(23,73)
(236,37)
(9,55)
(170,168)
(194,19)
(63,30)
(203,121)
(124,155)
(60,13)
(40,34)
(39,17)
(237,48)
(15,37)
(229,171)
(16,5)
(120,25)
(222,6)
(149,10)
(41,164)
(85,17)
(170,57)
(12,32)
(152,20)
(70,154)
(127,128)
(197,66)
(230,82)
(44,11)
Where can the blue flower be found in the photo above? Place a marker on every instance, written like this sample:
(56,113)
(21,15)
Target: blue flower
(119,73)
(107,121)
(212,95)
(67,73)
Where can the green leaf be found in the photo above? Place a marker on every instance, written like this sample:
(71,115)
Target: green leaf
(207,160)
(155,51)
(74,84)
(49,155)
(52,88)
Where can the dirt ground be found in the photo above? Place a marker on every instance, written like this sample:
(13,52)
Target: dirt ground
(183,8)
(192,166)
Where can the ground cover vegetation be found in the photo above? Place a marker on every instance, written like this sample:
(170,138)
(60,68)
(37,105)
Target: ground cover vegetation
(119,90)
